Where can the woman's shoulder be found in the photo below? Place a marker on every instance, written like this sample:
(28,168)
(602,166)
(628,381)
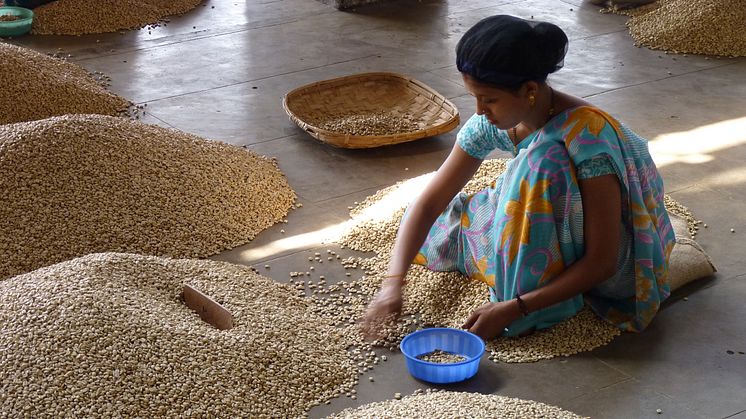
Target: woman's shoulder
(587,114)
(478,137)
(588,131)
(478,125)
(588,124)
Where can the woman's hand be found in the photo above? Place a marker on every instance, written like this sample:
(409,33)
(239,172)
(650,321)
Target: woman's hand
(450,178)
(491,319)
(385,307)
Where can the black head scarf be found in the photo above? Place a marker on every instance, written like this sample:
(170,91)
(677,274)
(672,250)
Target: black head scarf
(507,51)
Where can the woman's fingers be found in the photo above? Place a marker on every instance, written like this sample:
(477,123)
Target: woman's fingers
(384,309)
(374,316)
(471,320)
(474,316)
(370,331)
(480,327)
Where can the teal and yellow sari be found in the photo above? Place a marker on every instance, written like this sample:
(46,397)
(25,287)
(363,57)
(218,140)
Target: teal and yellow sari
(527,227)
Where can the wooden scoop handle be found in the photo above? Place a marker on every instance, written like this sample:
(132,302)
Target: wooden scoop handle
(207,308)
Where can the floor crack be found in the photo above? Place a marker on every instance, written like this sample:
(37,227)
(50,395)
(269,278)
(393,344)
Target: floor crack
(733,415)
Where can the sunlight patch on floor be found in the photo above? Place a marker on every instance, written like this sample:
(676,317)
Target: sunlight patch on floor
(697,146)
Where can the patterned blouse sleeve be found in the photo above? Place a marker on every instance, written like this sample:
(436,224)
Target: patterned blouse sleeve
(478,138)
(598,165)
(593,140)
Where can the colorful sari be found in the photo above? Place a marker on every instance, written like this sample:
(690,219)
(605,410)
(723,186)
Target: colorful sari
(527,227)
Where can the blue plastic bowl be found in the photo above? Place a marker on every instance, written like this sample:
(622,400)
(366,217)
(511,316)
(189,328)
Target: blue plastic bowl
(455,341)
(16,27)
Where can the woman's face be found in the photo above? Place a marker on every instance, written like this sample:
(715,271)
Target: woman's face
(504,109)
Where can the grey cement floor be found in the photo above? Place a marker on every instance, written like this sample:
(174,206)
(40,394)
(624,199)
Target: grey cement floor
(221,72)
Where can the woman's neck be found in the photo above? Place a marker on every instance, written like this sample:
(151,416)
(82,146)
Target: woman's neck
(542,111)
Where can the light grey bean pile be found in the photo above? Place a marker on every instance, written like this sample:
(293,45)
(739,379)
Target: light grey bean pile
(581,333)
(676,208)
(713,27)
(36,86)
(8,17)
(106,335)
(372,123)
(80,184)
(447,298)
(451,404)
(77,17)
(441,357)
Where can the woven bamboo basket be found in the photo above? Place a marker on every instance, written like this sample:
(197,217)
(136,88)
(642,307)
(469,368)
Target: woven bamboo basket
(396,95)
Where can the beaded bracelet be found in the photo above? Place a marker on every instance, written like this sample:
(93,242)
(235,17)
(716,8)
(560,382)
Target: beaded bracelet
(522,305)
(399,276)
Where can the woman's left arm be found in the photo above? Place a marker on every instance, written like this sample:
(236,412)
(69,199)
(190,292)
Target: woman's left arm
(602,216)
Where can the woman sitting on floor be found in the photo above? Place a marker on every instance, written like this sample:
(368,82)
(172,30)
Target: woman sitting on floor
(577,216)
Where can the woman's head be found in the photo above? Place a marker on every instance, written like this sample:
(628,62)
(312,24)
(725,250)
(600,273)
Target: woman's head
(503,56)
(507,51)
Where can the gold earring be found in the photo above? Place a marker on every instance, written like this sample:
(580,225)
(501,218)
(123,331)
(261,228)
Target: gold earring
(531,100)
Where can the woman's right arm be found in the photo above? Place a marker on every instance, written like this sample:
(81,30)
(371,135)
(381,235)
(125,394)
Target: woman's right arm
(450,178)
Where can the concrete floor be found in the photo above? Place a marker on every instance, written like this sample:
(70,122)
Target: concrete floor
(221,72)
